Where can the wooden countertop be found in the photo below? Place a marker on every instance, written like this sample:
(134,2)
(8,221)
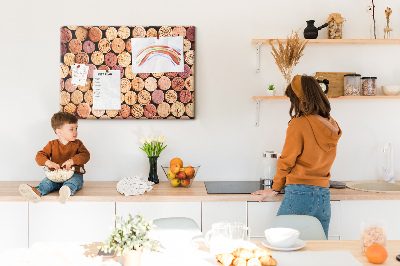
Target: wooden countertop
(105,191)
(353,246)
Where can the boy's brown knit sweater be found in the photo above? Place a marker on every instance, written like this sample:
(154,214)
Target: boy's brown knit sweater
(57,152)
(308,154)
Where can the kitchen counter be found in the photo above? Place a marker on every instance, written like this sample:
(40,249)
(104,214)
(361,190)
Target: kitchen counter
(105,191)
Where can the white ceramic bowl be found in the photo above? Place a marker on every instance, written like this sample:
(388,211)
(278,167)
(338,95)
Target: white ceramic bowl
(282,237)
(391,90)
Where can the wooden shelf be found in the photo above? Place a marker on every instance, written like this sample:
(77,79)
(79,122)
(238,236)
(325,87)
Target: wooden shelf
(331,97)
(332,41)
(259,98)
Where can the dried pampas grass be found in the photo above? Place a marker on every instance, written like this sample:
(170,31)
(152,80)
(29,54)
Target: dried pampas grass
(288,57)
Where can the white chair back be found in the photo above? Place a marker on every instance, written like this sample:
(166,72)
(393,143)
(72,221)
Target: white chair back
(310,227)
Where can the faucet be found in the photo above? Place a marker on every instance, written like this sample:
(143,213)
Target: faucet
(388,174)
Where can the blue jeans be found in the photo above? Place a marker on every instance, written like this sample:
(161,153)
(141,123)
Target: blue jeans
(308,200)
(74,183)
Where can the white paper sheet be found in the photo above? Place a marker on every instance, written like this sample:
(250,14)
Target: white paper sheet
(106,90)
(79,74)
(152,55)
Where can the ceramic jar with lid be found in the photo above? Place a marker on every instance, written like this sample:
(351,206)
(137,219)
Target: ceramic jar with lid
(352,85)
(368,86)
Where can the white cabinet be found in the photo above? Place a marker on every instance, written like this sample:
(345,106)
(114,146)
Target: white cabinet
(260,216)
(218,211)
(72,222)
(354,211)
(154,210)
(334,225)
(13,225)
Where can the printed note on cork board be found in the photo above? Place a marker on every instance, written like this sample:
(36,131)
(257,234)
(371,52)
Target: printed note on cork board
(336,82)
(153,95)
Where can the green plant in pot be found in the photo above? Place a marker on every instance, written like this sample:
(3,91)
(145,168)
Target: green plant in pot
(129,238)
(271,90)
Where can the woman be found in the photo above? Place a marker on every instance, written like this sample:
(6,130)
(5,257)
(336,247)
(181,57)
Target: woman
(308,153)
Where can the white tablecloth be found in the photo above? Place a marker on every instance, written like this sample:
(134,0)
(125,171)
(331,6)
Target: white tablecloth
(315,258)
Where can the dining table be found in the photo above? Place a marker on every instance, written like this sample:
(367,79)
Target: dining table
(70,253)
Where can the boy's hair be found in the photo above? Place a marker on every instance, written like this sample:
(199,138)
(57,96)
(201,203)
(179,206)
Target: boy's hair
(315,100)
(61,118)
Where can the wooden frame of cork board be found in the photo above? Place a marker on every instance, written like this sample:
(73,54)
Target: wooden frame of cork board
(167,95)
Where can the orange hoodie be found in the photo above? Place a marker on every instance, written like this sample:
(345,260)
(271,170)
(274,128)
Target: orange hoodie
(307,155)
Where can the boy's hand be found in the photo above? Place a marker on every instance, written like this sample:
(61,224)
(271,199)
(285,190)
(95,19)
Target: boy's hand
(52,165)
(68,164)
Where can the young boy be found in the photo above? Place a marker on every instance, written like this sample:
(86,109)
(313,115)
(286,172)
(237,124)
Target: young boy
(64,152)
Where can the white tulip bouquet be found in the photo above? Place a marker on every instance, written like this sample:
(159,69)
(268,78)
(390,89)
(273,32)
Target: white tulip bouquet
(153,146)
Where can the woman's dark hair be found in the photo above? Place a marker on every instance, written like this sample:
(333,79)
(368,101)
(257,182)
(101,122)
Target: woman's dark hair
(315,100)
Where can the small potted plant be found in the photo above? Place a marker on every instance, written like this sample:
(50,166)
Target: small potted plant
(129,238)
(271,90)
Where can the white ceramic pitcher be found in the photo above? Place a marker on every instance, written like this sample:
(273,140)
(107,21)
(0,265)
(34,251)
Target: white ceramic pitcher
(218,239)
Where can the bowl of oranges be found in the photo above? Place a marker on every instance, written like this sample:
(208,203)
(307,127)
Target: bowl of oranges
(180,174)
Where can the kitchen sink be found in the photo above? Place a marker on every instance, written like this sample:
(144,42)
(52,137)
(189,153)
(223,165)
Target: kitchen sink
(375,186)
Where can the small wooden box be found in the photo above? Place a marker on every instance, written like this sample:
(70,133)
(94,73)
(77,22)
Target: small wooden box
(336,82)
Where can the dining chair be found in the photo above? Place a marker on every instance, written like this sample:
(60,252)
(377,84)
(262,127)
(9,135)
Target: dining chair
(178,223)
(310,227)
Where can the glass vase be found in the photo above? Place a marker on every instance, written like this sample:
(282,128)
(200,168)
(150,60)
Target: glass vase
(374,32)
(153,177)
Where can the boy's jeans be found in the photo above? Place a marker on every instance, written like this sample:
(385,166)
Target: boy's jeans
(74,183)
(308,200)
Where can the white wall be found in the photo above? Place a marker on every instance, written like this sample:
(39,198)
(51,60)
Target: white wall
(223,137)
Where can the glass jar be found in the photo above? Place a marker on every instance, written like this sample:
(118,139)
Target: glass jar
(368,86)
(352,85)
(270,158)
(373,231)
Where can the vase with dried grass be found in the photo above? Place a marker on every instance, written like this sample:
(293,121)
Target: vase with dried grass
(288,56)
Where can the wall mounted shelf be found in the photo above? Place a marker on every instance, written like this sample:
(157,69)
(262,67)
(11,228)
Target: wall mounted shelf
(332,41)
(259,42)
(259,98)
(331,97)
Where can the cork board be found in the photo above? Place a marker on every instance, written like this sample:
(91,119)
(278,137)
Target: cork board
(336,82)
(167,95)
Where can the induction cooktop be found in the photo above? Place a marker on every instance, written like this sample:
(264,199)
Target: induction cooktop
(233,187)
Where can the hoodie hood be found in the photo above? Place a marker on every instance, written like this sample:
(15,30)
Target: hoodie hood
(325,138)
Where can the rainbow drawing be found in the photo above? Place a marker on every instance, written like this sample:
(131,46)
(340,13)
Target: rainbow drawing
(154,50)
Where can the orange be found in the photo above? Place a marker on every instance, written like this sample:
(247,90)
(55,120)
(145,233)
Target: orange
(176,161)
(376,254)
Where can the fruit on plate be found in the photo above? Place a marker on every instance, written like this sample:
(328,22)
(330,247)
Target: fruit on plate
(181,175)
(185,182)
(175,182)
(189,171)
(376,253)
(175,168)
(170,175)
(176,161)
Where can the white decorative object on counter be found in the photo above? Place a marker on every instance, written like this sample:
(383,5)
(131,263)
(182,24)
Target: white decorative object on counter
(60,175)
(391,90)
(133,186)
